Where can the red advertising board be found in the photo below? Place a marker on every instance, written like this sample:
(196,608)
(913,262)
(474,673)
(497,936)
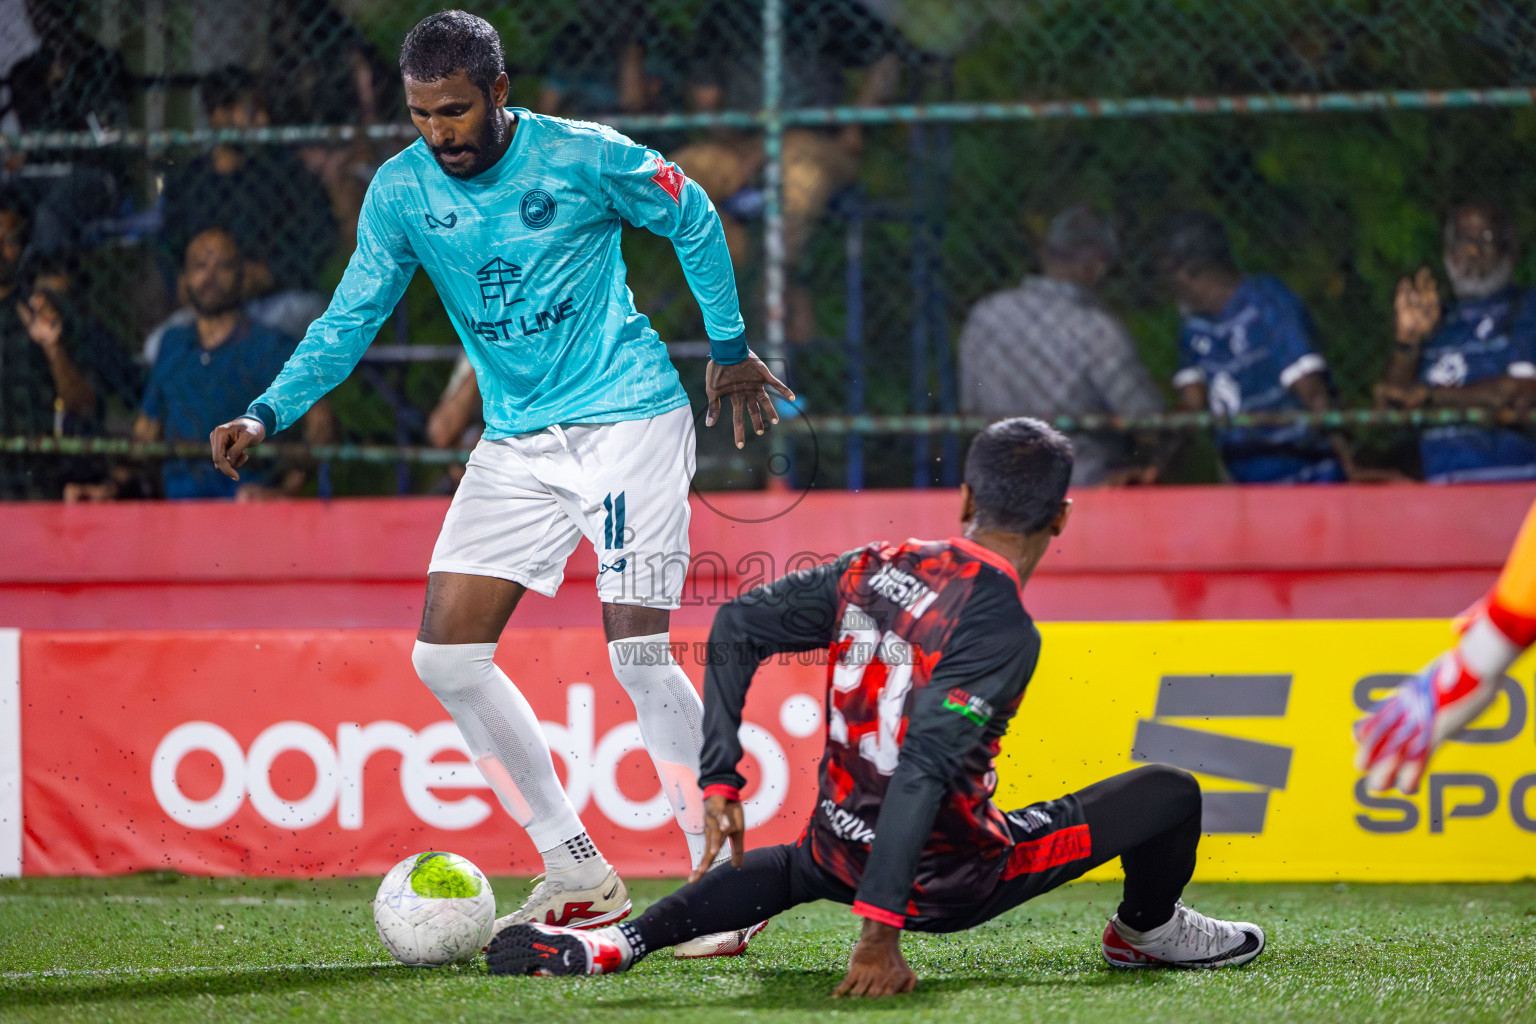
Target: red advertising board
(314,752)
(161,733)
(1129,554)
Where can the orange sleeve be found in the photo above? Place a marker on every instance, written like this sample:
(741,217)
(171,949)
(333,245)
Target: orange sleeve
(1515,592)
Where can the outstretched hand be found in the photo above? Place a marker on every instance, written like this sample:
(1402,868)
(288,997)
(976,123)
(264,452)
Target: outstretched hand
(723,820)
(747,382)
(1395,743)
(230,441)
(876,966)
(42,320)
(1416,307)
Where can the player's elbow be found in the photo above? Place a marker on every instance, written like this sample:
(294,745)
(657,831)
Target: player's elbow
(938,763)
(697,216)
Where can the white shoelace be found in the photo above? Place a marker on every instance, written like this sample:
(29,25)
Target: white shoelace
(1196,936)
(544,888)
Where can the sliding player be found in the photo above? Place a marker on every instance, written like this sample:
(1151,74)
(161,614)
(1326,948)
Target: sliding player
(1398,739)
(931,650)
(516,219)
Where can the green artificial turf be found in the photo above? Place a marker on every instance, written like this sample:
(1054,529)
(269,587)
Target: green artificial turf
(168,948)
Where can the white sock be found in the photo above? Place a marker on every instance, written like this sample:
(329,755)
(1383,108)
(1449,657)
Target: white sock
(696,850)
(671,720)
(504,738)
(577,862)
(1150,935)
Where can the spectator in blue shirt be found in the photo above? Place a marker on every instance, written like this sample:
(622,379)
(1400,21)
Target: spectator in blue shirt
(1246,346)
(1480,352)
(263,195)
(216,364)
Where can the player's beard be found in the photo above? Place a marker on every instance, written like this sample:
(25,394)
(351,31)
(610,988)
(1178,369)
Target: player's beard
(492,137)
(1474,285)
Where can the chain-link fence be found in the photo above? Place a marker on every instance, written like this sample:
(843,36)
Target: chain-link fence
(888,172)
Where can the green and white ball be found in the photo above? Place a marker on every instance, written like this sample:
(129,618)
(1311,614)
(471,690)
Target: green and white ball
(434,908)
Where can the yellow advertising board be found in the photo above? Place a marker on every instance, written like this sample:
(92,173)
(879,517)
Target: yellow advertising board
(1261,713)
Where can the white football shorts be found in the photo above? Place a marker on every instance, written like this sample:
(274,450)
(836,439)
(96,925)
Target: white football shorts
(526,501)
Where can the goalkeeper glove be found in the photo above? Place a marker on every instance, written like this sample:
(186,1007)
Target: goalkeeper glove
(1396,741)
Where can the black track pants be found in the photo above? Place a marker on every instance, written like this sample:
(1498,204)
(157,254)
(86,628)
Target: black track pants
(1149,818)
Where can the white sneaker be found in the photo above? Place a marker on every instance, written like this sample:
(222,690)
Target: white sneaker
(552,902)
(1190,939)
(719,944)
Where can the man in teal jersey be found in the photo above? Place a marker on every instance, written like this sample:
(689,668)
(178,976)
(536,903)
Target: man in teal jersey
(516,219)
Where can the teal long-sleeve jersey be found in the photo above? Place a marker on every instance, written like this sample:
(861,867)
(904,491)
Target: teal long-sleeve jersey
(526,259)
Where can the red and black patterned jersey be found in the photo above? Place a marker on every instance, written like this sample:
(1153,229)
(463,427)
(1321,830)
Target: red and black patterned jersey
(930,652)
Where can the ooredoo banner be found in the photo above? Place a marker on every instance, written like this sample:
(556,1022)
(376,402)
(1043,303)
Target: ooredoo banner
(315,752)
(319,752)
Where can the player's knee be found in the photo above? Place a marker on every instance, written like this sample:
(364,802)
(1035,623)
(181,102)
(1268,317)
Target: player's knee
(448,668)
(1175,788)
(635,660)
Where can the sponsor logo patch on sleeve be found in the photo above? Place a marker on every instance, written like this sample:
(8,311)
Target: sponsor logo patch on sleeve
(968,706)
(670,178)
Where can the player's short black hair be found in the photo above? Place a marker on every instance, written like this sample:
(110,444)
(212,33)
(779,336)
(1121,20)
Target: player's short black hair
(445,43)
(227,86)
(1018,471)
(1193,241)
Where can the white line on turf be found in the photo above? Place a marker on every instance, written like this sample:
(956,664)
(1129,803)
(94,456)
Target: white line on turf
(109,972)
(226,901)
(223,901)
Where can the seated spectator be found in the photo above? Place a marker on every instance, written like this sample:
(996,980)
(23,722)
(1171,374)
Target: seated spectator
(320,68)
(1478,353)
(288,313)
(214,368)
(51,368)
(824,42)
(1049,348)
(56,296)
(70,83)
(1246,346)
(278,211)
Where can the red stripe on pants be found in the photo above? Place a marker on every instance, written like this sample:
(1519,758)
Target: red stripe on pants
(1050,851)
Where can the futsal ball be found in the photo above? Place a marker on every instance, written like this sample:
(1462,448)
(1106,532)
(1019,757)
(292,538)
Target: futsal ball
(434,908)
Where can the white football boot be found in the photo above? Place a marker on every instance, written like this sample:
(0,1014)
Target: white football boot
(552,902)
(1189,939)
(718,944)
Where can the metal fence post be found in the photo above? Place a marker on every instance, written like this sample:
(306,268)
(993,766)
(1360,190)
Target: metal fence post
(155,27)
(774,351)
(854,336)
(920,279)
